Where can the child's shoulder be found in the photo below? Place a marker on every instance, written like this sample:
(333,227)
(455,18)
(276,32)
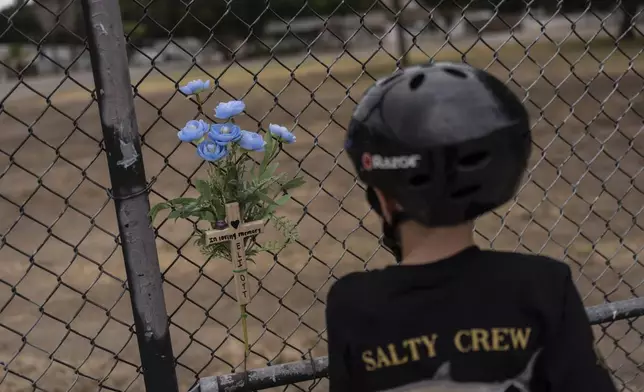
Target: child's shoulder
(525,273)
(351,286)
(528,264)
(347,283)
(498,267)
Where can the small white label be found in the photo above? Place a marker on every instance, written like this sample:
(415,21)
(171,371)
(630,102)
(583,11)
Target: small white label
(378,162)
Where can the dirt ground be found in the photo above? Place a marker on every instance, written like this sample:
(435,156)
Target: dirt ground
(65,316)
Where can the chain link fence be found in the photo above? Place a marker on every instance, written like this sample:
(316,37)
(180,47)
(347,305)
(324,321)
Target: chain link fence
(81,304)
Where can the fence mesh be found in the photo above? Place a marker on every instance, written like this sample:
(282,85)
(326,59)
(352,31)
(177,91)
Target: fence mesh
(65,316)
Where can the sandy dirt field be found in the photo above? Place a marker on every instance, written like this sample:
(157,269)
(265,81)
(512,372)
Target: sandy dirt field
(65,315)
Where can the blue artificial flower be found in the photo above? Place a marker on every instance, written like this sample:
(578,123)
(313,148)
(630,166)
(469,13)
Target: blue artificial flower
(211,151)
(195,87)
(225,133)
(194,130)
(251,141)
(226,110)
(281,133)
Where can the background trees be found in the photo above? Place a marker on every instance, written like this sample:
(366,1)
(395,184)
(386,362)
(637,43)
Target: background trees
(224,22)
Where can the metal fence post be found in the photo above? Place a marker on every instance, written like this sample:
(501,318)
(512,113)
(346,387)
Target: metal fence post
(107,48)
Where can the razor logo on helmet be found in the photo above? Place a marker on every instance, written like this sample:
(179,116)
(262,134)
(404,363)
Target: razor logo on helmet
(379,162)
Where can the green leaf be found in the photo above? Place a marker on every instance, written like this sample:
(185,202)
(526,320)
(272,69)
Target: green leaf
(190,209)
(294,183)
(266,199)
(181,201)
(175,214)
(154,211)
(269,171)
(268,151)
(231,183)
(270,210)
(207,216)
(204,189)
(282,200)
(272,206)
(256,186)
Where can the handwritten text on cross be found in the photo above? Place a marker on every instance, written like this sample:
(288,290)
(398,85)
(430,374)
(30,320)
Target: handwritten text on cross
(235,234)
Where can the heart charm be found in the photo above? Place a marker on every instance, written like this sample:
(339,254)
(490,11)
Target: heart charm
(235,223)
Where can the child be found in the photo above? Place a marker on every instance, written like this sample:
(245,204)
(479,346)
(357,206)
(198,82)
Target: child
(438,146)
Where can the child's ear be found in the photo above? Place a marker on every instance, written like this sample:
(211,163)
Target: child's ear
(387,205)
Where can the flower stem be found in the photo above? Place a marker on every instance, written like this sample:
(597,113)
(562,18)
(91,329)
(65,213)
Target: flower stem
(275,152)
(244,316)
(199,103)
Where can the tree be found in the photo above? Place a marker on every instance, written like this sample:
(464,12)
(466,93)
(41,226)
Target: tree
(17,29)
(17,25)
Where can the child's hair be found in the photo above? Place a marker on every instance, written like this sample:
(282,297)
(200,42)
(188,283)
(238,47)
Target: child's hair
(447,141)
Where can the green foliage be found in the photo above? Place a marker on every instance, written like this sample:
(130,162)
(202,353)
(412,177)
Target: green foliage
(258,189)
(19,24)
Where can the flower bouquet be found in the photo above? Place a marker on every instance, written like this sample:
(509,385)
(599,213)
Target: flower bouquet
(239,195)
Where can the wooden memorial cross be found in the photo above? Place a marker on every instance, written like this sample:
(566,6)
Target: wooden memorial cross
(235,234)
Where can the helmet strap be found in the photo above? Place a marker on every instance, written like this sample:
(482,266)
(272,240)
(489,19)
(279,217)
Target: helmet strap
(391,234)
(390,240)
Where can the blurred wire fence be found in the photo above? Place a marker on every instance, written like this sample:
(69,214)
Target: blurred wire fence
(96,300)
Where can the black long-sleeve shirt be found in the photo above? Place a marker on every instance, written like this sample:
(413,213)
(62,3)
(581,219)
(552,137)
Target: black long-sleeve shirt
(477,321)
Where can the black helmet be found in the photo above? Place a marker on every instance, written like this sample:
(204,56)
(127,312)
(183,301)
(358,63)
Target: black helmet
(447,141)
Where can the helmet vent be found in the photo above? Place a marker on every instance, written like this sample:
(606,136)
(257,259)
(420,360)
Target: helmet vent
(466,191)
(474,160)
(416,81)
(456,72)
